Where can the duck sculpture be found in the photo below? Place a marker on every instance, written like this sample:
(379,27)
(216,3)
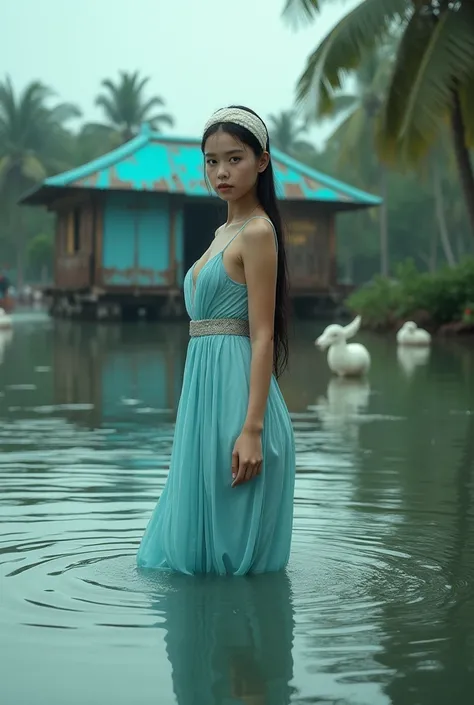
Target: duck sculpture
(344,359)
(5,320)
(410,334)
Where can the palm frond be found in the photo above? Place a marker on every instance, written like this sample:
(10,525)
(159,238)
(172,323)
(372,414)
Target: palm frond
(343,102)
(5,166)
(32,168)
(109,108)
(435,55)
(300,12)
(109,85)
(155,102)
(142,84)
(348,135)
(64,112)
(344,49)
(467,106)
(95,128)
(158,121)
(7,100)
(302,146)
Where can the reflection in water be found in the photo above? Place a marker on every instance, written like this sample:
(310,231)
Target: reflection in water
(5,339)
(432,660)
(103,365)
(229,640)
(381,604)
(410,358)
(341,409)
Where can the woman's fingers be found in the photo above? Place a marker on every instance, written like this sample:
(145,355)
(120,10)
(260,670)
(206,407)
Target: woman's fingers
(235,464)
(240,477)
(244,470)
(251,470)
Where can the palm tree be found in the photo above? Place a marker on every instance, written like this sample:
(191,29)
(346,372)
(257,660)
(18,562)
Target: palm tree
(31,133)
(432,80)
(285,132)
(33,144)
(91,142)
(125,106)
(354,135)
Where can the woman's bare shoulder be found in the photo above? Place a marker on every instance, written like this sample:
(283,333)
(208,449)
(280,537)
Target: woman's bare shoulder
(258,231)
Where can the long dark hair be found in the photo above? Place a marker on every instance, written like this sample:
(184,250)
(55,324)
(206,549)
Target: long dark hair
(267,198)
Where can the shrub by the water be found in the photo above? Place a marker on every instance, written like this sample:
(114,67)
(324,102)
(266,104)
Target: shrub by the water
(436,299)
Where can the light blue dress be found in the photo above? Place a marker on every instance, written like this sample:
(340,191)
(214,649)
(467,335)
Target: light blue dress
(201,524)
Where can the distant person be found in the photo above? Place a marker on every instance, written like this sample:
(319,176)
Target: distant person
(227,506)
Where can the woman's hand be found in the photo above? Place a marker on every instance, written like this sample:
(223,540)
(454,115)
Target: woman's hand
(246,457)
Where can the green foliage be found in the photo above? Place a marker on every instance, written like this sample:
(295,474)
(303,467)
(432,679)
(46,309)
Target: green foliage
(285,133)
(40,250)
(125,106)
(31,134)
(430,46)
(35,142)
(439,298)
(468,313)
(435,54)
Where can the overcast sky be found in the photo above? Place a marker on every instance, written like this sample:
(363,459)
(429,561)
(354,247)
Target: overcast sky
(199,54)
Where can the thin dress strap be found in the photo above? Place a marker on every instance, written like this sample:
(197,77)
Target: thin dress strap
(263,217)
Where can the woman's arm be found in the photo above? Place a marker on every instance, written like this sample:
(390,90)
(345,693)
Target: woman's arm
(259,258)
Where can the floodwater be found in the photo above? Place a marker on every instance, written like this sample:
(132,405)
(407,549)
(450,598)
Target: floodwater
(377,605)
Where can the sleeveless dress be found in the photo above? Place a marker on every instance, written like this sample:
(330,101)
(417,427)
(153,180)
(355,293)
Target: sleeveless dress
(201,524)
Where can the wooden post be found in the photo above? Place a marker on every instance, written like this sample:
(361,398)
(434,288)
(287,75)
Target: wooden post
(57,247)
(99,228)
(332,250)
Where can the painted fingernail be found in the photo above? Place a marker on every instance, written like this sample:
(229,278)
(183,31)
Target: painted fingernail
(233,475)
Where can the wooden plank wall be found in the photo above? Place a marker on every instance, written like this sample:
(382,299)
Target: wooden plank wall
(310,239)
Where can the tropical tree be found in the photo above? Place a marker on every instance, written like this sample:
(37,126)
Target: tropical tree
(33,144)
(31,133)
(126,107)
(40,254)
(355,133)
(286,131)
(91,142)
(432,82)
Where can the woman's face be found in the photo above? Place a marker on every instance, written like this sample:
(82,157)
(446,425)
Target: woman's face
(232,166)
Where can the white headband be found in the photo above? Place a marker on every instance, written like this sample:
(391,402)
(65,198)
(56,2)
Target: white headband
(243,118)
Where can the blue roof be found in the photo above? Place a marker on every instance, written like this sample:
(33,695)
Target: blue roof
(160,163)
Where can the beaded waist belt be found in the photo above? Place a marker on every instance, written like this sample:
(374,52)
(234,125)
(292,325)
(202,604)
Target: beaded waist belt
(219,326)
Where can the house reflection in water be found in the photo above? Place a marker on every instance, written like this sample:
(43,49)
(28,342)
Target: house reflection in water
(114,367)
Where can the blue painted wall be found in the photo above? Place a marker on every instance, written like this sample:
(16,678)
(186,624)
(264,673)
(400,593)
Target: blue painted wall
(135,249)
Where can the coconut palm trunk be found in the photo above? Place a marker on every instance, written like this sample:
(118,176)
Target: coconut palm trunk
(441,216)
(466,174)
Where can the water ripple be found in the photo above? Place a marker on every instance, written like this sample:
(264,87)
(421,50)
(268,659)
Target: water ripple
(380,583)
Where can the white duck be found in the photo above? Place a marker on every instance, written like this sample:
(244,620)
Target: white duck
(5,320)
(410,334)
(346,360)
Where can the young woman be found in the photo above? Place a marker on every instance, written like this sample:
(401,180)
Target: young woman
(227,506)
